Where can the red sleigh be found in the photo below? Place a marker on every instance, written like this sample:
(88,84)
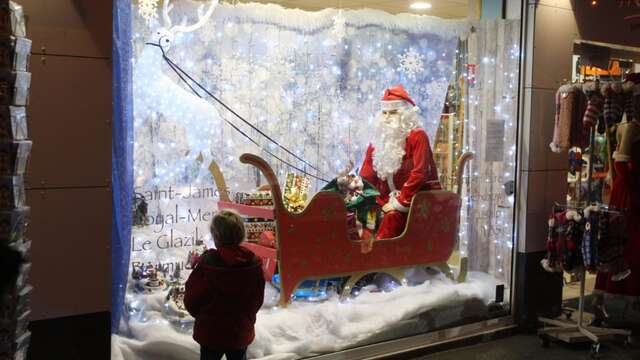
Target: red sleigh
(314,244)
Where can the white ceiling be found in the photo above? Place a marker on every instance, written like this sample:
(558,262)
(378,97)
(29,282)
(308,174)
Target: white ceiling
(442,8)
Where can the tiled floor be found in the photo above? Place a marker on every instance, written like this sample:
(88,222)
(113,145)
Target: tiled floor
(528,347)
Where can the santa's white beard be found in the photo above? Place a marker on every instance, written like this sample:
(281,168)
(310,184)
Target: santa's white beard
(389,143)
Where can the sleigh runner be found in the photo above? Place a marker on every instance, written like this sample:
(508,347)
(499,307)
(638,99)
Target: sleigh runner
(315,243)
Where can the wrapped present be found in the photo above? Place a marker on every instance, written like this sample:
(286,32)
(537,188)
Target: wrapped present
(13,123)
(268,239)
(13,157)
(14,87)
(12,194)
(256,198)
(255,227)
(14,53)
(13,224)
(12,21)
(296,191)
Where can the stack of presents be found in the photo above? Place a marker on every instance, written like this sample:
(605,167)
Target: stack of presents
(15,147)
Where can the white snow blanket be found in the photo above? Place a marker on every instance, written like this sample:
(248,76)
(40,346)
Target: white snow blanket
(306,329)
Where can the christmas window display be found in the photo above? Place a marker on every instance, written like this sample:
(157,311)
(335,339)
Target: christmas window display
(302,92)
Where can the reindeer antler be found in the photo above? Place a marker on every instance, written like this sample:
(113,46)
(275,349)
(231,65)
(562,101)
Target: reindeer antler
(202,18)
(166,9)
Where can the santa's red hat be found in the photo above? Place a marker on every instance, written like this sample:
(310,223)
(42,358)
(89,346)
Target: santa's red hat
(396,98)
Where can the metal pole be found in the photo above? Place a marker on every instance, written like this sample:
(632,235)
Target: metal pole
(581,305)
(592,145)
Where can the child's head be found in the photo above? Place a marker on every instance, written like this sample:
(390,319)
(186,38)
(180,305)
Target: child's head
(227,228)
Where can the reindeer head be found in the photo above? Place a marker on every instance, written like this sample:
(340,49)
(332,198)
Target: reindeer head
(165,35)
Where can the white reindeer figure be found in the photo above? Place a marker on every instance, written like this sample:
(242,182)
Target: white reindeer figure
(155,92)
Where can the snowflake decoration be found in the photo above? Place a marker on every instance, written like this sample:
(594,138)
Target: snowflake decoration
(411,63)
(339,30)
(148,10)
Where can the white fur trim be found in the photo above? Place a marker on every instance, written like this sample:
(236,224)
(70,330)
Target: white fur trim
(396,204)
(621,157)
(393,105)
(545,265)
(589,209)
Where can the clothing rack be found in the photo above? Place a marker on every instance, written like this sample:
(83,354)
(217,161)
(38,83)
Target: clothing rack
(568,330)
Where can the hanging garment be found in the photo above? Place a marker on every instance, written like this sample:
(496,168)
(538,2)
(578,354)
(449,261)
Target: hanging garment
(625,196)
(590,239)
(555,241)
(594,109)
(569,130)
(613,102)
(564,241)
(572,256)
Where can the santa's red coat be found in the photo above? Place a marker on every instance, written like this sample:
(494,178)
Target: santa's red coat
(416,173)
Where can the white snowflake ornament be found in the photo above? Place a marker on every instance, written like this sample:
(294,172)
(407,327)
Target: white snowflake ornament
(411,63)
(148,9)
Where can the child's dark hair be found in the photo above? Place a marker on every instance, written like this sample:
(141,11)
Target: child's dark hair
(227,228)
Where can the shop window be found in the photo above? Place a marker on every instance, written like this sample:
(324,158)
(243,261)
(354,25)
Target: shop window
(301,90)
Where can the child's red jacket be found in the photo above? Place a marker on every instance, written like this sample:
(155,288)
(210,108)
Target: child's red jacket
(223,293)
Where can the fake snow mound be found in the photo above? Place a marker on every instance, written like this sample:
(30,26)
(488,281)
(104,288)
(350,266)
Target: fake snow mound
(304,329)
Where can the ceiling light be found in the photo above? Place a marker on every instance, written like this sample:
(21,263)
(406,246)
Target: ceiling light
(420,5)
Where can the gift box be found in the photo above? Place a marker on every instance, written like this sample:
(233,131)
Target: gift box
(13,157)
(254,229)
(13,224)
(12,20)
(13,123)
(15,53)
(296,191)
(12,194)
(14,87)
(257,198)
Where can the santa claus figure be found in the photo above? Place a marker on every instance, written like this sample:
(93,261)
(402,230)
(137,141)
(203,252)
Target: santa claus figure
(398,162)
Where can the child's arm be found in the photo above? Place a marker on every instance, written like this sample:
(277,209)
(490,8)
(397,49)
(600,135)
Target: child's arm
(260,287)
(195,292)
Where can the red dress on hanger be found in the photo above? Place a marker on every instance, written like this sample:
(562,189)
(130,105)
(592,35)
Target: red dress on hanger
(626,195)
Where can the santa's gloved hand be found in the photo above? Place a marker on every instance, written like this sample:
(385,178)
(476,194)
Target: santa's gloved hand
(387,207)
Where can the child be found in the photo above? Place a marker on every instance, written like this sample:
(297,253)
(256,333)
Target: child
(225,291)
